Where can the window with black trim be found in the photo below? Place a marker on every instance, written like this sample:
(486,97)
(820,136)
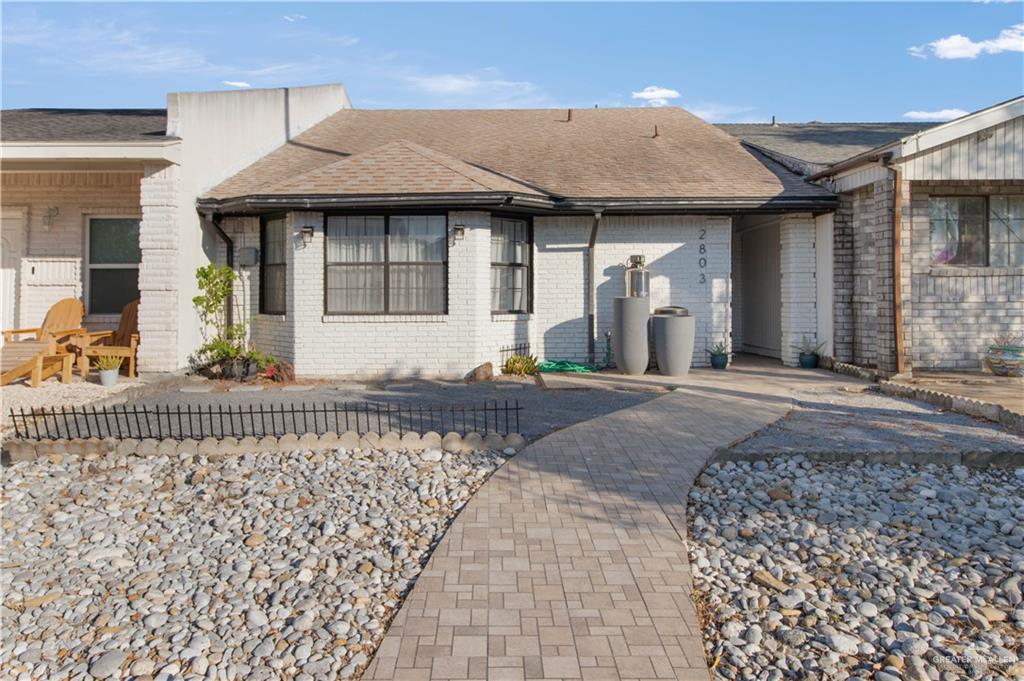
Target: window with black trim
(273,267)
(511,263)
(381,264)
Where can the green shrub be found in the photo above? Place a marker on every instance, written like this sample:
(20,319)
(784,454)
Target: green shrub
(521,365)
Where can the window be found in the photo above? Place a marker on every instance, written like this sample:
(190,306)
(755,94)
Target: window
(1006,231)
(273,270)
(511,280)
(381,264)
(114,257)
(959,230)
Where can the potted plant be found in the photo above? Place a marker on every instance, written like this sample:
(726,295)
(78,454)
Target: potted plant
(109,367)
(808,353)
(719,355)
(1005,355)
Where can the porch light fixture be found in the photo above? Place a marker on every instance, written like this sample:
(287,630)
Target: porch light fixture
(458,234)
(307,235)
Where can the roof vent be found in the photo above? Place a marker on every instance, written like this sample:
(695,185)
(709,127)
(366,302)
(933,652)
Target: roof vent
(655,130)
(568,116)
(774,124)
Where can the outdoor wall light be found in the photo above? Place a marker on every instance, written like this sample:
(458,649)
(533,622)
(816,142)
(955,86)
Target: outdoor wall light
(458,234)
(307,235)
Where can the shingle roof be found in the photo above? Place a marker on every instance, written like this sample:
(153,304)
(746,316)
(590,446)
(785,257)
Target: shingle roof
(400,167)
(822,143)
(82,125)
(599,153)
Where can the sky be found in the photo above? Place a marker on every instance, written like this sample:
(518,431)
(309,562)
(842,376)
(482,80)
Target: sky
(726,62)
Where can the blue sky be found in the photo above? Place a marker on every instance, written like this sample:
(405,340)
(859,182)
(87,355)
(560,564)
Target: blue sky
(724,61)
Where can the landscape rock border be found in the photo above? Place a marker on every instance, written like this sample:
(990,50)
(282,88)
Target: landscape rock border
(979,459)
(30,450)
(990,411)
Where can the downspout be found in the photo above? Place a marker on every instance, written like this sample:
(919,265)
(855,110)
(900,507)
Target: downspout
(897,266)
(592,291)
(229,312)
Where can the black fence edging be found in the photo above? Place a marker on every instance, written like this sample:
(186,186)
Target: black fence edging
(181,423)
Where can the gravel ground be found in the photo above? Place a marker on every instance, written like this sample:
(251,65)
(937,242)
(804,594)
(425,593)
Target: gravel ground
(865,421)
(53,393)
(264,566)
(840,571)
(543,410)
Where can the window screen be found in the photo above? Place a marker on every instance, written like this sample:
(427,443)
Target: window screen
(511,249)
(114,257)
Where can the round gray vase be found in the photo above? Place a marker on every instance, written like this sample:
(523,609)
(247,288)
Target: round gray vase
(629,334)
(108,377)
(673,343)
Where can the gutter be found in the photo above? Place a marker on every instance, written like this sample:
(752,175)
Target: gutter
(871,156)
(561,205)
(592,290)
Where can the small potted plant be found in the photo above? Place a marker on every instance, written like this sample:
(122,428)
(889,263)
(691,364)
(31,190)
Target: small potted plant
(109,367)
(719,355)
(1005,355)
(808,353)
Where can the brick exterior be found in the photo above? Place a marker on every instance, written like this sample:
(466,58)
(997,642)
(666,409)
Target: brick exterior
(949,313)
(842,280)
(956,310)
(799,290)
(58,243)
(160,271)
(470,334)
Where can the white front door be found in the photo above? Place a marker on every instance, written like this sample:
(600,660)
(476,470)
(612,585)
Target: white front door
(12,248)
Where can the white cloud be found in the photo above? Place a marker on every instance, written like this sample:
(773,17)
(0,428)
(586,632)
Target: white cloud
(294,17)
(714,112)
(959,46)
(940,115)
(483,88)
(656,95)
(236,83)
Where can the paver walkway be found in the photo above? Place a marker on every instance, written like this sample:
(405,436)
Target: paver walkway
(571,562)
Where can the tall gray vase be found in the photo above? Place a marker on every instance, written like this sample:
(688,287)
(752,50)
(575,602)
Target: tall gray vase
(629,335)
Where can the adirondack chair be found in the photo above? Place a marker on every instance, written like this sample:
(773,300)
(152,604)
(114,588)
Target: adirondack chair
(122,342)
(47,352)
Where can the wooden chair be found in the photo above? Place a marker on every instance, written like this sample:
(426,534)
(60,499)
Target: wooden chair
(121,342)
(47,352)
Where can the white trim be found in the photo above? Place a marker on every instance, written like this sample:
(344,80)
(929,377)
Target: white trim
(87,266)
(961,127)
(169,150)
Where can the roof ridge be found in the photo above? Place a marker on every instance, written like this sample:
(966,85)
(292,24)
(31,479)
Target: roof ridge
(419,149)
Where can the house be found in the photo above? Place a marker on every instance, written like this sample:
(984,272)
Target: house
(424,242)
(928,239)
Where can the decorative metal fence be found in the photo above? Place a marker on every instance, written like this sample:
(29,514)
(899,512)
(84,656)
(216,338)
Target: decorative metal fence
(511,350)
(258,420)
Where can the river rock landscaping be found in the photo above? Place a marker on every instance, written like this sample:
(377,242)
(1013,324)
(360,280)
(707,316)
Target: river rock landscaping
(884,572)
(255,566)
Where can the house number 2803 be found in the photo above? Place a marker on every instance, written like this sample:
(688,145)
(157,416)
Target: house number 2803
(702,261)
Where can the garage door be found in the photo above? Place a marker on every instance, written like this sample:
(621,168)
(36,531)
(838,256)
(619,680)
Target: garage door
(762,292)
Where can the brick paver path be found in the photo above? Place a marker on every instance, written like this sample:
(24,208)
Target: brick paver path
(570,563)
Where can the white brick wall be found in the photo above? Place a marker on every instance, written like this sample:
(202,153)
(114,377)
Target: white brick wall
(799,290)
(469,334)
(159,271)
(57,241)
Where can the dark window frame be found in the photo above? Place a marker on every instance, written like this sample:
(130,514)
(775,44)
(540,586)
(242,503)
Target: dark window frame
(528,219)
(263,265)
(988,226)
(386,264)
(985,213)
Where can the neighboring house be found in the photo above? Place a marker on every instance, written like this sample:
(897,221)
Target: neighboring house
(425,242)
(100,203)
(954,193)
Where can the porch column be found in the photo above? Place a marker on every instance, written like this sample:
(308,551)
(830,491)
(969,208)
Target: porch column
(799,290)
(885,291)
(159,269)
